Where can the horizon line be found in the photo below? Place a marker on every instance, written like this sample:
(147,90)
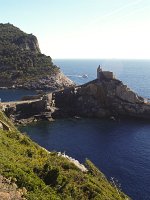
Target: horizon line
(101,58)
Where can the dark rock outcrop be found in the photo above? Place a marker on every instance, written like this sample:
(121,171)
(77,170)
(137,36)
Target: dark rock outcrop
(105,97)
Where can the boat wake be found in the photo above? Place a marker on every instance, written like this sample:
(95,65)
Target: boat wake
(78,76)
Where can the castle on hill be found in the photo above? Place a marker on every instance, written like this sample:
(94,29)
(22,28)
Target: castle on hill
(104,74)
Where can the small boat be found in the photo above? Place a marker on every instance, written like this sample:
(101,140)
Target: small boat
(84,76)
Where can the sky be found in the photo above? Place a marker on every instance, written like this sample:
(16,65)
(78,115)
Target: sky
(84,28)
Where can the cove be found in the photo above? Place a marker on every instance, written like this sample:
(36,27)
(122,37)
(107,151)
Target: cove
(119,148)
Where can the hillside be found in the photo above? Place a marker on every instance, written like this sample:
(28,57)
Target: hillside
(42,175)
(22,65)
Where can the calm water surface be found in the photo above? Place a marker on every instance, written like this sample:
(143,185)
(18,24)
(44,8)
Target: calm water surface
(134,73)
(121,149)
(13,95)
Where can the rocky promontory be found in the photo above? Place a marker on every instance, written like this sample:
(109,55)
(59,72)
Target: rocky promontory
(104,97)
(22,65)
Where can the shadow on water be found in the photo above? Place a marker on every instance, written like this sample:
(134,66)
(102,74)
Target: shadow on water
(119,148)
(14,94)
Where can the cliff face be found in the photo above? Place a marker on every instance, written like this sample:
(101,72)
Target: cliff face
(22,65)
(101,98)
(29,43)
(105,97)
(13,36)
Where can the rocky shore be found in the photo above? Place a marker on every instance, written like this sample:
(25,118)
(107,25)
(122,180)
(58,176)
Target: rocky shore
(104,97)
(28,171)
(51,82)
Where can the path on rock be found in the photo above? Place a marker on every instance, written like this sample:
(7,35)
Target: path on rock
(9,103)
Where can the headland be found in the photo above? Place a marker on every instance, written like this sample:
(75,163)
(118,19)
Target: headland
(104,97)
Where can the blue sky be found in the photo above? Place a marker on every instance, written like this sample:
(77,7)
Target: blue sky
(84,28)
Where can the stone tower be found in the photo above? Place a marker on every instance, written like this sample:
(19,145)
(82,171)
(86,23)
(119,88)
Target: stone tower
(99,70)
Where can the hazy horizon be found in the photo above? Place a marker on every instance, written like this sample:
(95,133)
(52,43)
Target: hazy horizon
(101,58)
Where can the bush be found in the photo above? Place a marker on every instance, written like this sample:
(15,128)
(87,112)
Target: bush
(47,175)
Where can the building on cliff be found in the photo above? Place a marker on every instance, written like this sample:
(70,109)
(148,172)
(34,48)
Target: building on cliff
(104,74)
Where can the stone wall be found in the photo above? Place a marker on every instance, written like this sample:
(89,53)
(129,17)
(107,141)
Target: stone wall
(108,74)
(25,110)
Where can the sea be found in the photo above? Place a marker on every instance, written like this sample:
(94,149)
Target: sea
(121,148)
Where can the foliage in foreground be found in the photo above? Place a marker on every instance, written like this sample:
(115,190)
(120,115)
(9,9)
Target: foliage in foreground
(46,175)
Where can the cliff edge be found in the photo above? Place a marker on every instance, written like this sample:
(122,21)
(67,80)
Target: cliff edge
(105,96)
(22,65)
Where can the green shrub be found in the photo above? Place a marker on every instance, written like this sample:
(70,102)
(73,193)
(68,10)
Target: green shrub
(19,63)
(49,176)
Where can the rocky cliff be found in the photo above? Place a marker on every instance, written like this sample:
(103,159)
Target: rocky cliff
(106,97)
(22,65)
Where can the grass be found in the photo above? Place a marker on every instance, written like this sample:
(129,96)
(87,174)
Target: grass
(46,175)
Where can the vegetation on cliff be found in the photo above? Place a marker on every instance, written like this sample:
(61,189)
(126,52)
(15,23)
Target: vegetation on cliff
(21,62)
(43,175)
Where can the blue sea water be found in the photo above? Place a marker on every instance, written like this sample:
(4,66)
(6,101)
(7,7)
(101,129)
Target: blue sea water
(13,94)
(120,149)
(134,73)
